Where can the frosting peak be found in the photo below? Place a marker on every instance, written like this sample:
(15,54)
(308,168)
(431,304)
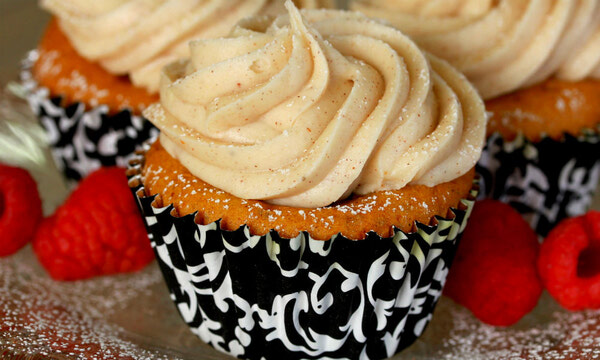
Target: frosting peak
(305,108)
(502,45)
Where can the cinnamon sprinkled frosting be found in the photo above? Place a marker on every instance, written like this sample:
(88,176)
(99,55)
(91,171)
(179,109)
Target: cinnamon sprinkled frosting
(306,108)
(139,37)
(502,45)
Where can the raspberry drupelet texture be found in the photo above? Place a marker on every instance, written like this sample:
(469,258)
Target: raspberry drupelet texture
(569,262)
(98,231)
(494,273)
(20,209)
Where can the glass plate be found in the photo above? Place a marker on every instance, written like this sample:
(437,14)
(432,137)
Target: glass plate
(132,316)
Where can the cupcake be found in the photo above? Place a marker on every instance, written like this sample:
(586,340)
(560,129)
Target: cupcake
(537,65)
(98,66)
(313,175)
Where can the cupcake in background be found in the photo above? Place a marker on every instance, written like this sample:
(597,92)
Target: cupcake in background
(98,66)
(537,65)
(312,177)
(319,4)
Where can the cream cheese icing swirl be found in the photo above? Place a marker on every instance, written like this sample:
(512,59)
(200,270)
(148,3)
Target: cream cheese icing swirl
(502,45)
(306,108)
(139,37)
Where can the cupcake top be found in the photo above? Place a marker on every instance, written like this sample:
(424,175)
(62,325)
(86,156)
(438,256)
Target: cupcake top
(306,108)
(502,45)
(139,37)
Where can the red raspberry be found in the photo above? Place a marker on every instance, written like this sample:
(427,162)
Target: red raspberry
(569,262)
(98,231)
(20,209)
(494,273)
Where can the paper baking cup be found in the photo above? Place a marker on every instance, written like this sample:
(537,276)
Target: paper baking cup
(545,181)
(81,138)
(268,297)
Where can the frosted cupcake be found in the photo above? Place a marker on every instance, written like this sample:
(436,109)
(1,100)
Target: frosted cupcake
(98,66)
(312,177)
(537,65)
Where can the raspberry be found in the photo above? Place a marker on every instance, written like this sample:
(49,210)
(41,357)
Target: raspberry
(20,209)
(98,231)
(494,273)
(569,262)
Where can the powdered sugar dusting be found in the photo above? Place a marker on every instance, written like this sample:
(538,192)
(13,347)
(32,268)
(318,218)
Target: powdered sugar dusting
(43,317)
(547,333)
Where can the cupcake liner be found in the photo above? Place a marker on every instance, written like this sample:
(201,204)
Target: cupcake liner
(268,297)
(545,181)
(81,138)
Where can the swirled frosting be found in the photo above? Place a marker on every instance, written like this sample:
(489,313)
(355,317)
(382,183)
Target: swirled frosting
(502,45)
(139,37)
(306,108)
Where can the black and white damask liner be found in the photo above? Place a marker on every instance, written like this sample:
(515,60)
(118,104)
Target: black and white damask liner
(545,181)
(82,139)
(267,297)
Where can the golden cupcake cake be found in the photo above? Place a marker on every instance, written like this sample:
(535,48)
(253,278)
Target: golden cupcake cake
(312,177)
(537,65)
(98,66)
